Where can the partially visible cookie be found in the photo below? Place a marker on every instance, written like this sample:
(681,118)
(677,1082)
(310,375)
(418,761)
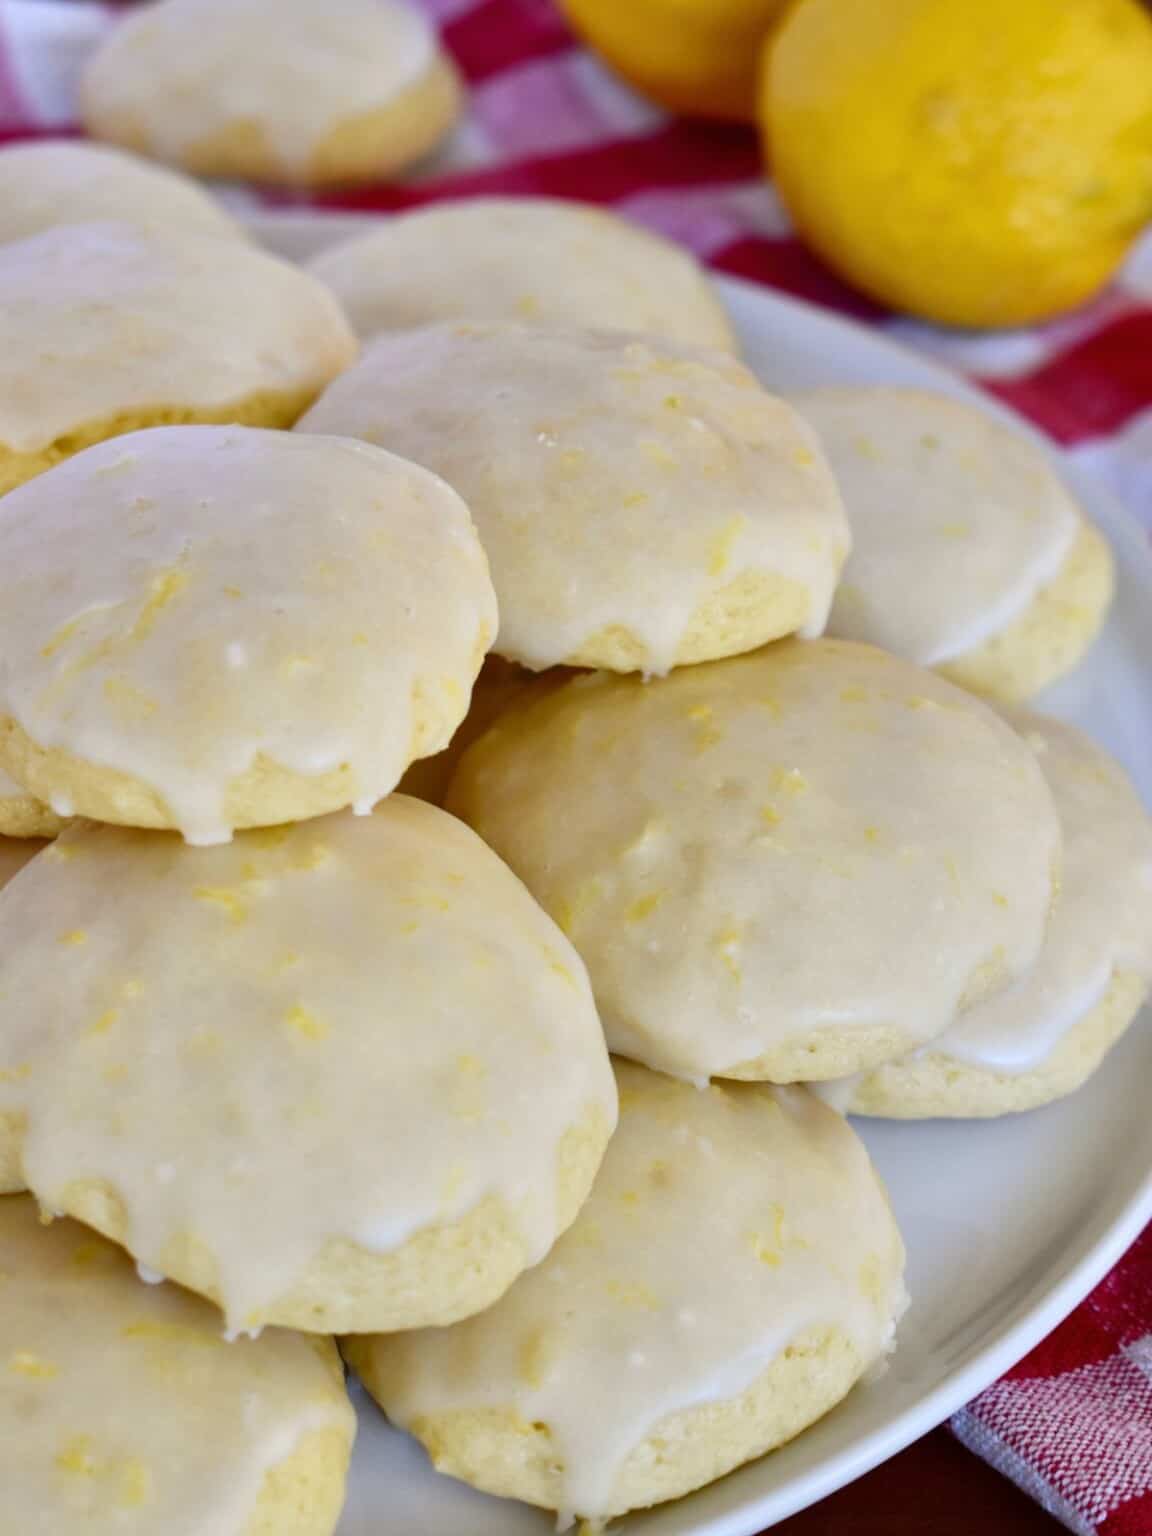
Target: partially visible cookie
(342,1076)
(776,864)
(124,1412)
(274,90)
(108,328)
(1045,1036)
(499,684)
(531,260)
(735,1270)
(969,553)
(65,181)
(246,628)
(22,815)
(15,852)
(643,504)
(1053,633)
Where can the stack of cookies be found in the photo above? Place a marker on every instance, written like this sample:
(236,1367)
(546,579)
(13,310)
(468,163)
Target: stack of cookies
(364,785)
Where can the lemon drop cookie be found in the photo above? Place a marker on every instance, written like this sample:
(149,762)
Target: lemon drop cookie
(246,627)
(108,328)
(22,815)
(777,864)
(735,1270)
(642,504)
(342,1076)
(1042,1038)
(123,1412)
(969,554)
(533,260)
(274,90)
(51,182)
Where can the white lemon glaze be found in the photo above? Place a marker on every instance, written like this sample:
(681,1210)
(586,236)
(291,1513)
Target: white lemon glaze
(616,481)
(795,845)
(190,69)
(102,320)
(122,1409)
(958,521)
(724,1222)
(232,593)
(532,260)
(215,1032)
(49,182)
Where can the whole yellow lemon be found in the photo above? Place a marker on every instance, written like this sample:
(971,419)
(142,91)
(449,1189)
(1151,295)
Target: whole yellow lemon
(977,162)
(700,57)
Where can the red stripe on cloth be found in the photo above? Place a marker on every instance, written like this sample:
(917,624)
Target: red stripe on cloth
(1091,389)
(1132,1518)
(1125,1293)
(679,154)
(499,34)
(791,266)
(1093,1339)
(24,133)
(1072,1423)
(1118,1311)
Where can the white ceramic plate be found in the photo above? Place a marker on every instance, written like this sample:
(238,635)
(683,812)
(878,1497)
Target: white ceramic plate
(1008,1223)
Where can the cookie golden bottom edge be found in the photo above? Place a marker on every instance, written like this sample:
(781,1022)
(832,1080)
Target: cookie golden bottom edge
(1052,634)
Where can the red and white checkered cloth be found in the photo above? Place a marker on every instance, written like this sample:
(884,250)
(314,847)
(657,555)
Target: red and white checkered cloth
(1072,1423)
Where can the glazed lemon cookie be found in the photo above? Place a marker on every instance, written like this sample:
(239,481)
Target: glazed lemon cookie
(123,1412)
(1043,1037)
(108,328)
(777,864)
(22,815)
(15,853)
(643,505)
(969,553)
(341,1076)
(534,260)
(51,182)
(274,90)
(639,1362)
(248,627)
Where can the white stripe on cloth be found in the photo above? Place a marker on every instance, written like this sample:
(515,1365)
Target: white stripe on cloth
(1090,1428)
(706,219)
(1123,463)
(554,105)
(979,1439)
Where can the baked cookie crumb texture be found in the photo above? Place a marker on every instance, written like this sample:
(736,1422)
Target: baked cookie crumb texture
(22,815)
